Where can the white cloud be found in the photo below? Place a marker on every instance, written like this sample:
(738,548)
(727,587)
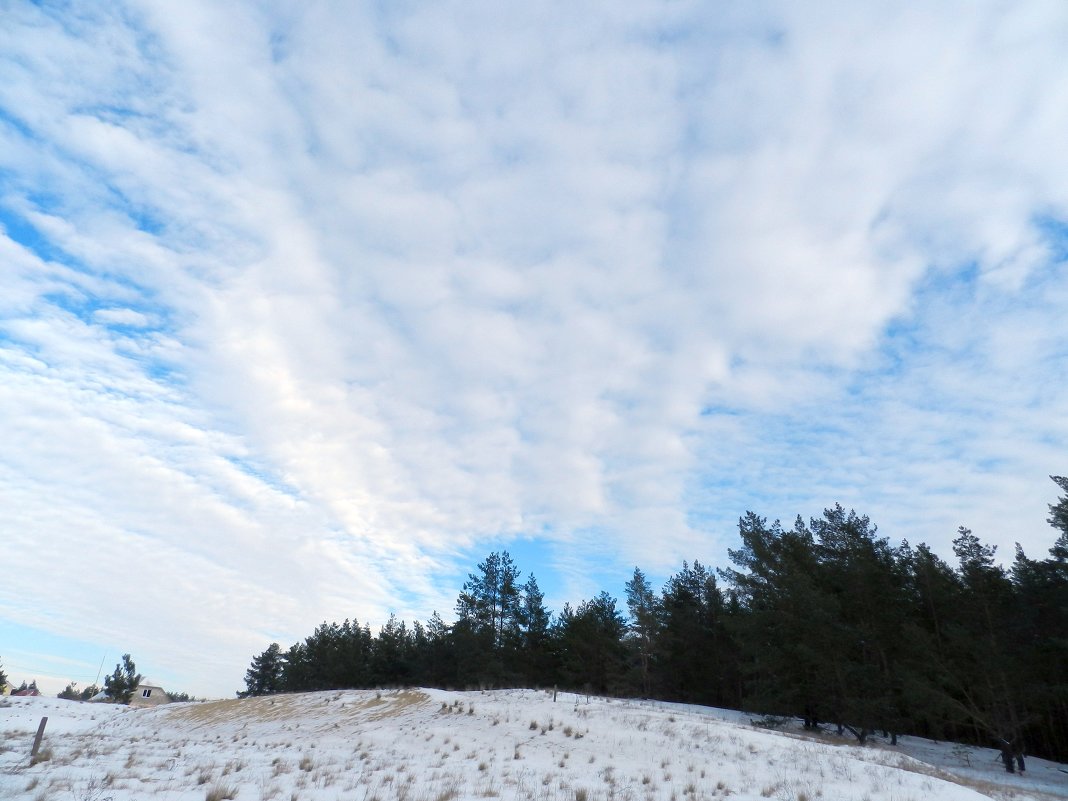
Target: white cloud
(331,297)
(126,317)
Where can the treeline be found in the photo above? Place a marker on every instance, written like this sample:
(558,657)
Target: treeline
(825,620)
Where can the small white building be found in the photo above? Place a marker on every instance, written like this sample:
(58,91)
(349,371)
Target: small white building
(148,694)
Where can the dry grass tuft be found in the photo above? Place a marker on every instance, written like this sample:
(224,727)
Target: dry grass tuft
(221,792)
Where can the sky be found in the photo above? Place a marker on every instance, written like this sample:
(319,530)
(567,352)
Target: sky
(307,308)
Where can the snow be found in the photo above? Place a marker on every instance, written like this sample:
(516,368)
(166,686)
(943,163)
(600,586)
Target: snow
(434,745)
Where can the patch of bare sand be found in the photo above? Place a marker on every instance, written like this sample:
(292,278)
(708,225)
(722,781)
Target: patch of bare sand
(350,706)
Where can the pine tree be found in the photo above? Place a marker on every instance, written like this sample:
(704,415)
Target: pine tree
(296,669)
(487,629)
(693,644)
(390,654)
(1040,636)
(988,692)
(533,655)
(121,684)
(264,675)
(644,626)
(1058,518)
(930,592)
(490,599)
(858,570)
(786,623)
(592,640)
(440,657)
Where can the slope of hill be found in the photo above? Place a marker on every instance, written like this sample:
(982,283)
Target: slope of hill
(433,745)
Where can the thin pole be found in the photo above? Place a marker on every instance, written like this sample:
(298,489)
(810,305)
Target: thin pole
(37,739)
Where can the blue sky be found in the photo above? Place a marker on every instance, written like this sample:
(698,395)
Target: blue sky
(303,311)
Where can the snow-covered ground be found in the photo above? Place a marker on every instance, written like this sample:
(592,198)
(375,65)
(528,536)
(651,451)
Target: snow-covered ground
(433,745)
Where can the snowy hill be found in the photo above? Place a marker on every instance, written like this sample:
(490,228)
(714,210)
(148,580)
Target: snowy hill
(433,745)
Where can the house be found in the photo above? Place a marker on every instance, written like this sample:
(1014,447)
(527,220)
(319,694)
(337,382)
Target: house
(30,690)
(148,694)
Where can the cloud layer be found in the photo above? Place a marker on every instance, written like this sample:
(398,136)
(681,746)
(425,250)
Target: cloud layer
(300,310)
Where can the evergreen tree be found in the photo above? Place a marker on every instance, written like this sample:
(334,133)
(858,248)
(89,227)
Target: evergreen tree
(786,624)
(296,669)
(858,572)
(592,641)
(354,648)
(930,592)
(1058,518)
(121,684)
(988,694)
(264,675)
(1040,636)
(474,662)
(490,599)
(391,654)
(694,649)
(440,658)
(3,677)
(644,627)
(535,621)
(335,655)
(488,625)
(418,656)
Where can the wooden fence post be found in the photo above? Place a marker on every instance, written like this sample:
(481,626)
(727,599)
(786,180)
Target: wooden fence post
(37,739)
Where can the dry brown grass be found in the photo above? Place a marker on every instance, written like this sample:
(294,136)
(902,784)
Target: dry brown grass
(272,708)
